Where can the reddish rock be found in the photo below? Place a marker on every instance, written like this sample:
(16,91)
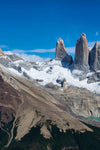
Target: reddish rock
(1,52)
(61,53)
(81,54)
(94,57)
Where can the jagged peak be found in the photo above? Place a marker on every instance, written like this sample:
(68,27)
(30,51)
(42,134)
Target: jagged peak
(82,38)
(97,44)
(83,35)
(60,40)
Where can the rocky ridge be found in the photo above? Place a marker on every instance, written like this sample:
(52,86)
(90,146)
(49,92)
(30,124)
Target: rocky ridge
(86,60)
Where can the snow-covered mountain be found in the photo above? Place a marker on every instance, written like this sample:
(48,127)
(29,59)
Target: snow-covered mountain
(46,72)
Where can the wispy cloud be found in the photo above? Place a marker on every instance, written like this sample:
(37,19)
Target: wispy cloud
(70,49)
(34,50)
(3,46)
(43,50)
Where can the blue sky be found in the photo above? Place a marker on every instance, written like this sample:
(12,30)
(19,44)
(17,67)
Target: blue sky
(28,25)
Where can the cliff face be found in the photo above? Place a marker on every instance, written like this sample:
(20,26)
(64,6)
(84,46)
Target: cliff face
(1,52)
(61,53)
(81,54)
(84,60)
(94,57)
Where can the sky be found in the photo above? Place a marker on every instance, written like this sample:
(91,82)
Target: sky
(32,27)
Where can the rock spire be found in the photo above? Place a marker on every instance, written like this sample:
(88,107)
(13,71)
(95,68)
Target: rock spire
(61,53)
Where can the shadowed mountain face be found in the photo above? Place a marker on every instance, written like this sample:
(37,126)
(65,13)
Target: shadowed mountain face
(94,57)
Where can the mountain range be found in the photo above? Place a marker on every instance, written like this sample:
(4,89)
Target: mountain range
(49,105)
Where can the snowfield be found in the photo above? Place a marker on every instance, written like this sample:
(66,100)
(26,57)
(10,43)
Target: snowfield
(53,70)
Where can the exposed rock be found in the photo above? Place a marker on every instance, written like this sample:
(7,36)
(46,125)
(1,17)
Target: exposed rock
(49,70)
(39,80)
(94,57)
(81,75)
(1,52)
(79,101)
(14,57)
(61,81)
(26,65)
(18,68)
(95,77)
(81,54)
(46,133)
(26,75)
(61,53)
(52,86)
(6,61)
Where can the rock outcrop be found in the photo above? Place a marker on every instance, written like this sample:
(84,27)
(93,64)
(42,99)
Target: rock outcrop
(81,54)
(1,52)
(95,77)
(61,53)
(94,57)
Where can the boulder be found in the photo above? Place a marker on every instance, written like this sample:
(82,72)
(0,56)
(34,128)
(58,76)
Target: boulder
(61,53)
(51,85)
(94,57)
(81,54)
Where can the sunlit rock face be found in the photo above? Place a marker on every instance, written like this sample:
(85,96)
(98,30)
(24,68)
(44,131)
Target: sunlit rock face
(81,54)
(61,53)
(1,52)
(94,57)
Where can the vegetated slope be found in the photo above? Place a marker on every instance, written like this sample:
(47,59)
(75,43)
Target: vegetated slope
(72,139)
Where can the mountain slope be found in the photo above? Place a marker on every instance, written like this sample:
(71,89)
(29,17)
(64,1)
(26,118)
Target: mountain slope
(51,116)
(35,107)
